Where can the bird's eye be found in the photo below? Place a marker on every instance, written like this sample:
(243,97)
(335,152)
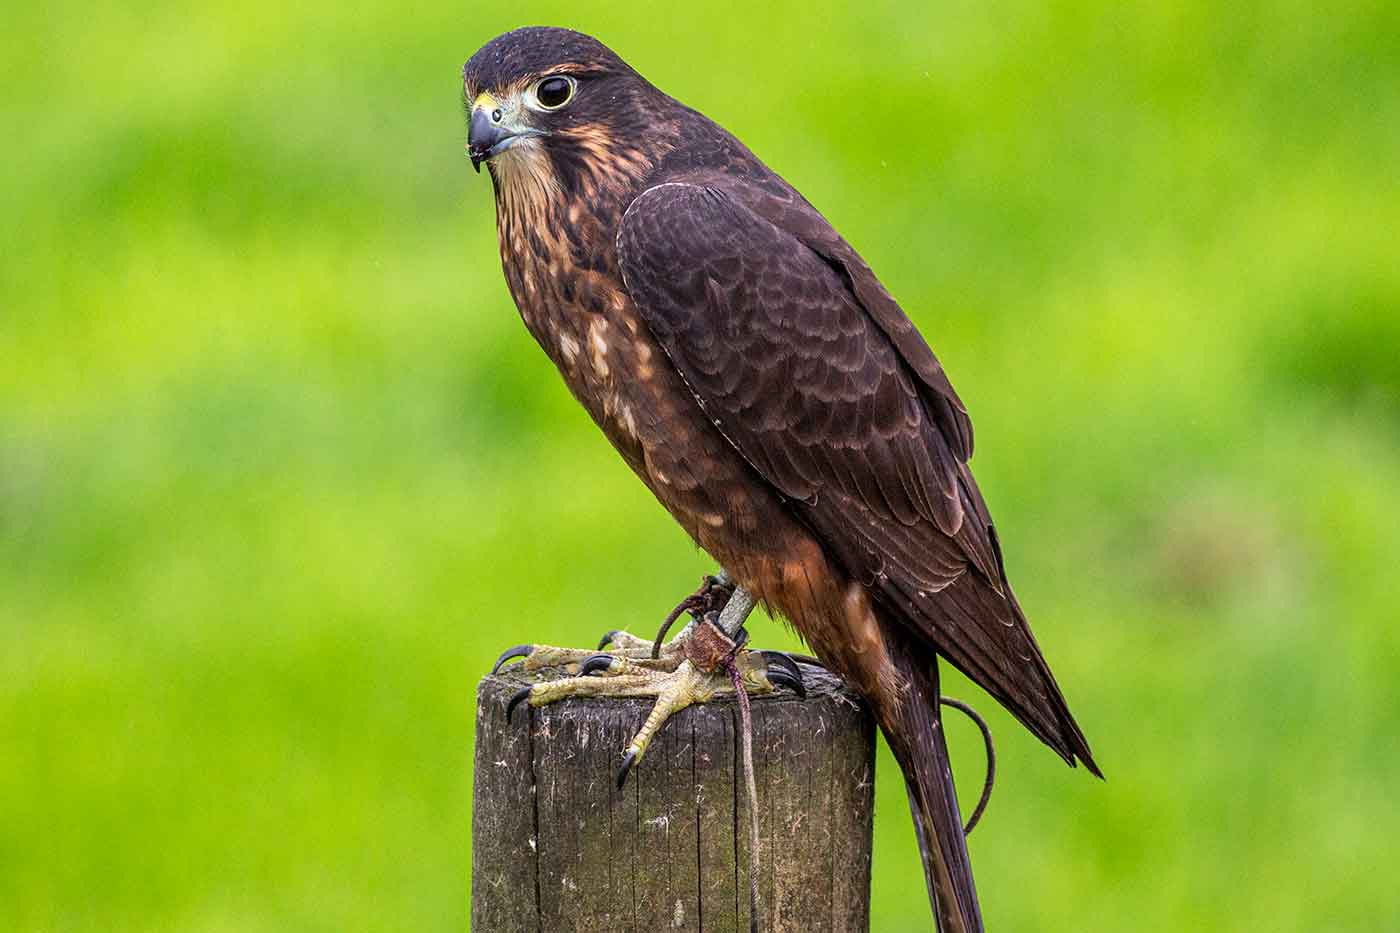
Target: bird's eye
(554,92)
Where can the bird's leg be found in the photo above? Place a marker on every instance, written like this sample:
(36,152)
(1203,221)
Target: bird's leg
(691,669)
(712,596)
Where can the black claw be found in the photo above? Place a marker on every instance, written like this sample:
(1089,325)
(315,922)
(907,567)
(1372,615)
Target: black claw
(515,700)
(607,638)
(783,678)
(595,662)
(780,659)
(627,762)
(519,651)
(783,669)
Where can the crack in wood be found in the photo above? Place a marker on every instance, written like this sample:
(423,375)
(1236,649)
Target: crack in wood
(596,868)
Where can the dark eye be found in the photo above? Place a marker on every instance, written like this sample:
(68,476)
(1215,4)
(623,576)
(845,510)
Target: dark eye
(554,92)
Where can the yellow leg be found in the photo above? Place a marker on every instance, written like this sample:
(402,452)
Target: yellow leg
(674,690)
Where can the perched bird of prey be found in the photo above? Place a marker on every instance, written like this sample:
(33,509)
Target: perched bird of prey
(756,376)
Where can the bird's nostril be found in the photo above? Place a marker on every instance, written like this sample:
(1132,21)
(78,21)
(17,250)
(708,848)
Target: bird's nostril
(496,116)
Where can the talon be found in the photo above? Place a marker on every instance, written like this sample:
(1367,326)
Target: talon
(782,677)
(607,638)
(519,651)
(779,659)
(522,694)
(628,761)
(806,659)
(596,662)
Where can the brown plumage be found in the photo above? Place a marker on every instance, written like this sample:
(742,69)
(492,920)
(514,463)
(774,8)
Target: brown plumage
(755,374)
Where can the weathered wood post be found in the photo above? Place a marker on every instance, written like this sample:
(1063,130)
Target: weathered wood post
(556,846)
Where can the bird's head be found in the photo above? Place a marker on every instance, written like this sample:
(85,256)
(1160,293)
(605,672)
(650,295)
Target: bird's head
(557,108)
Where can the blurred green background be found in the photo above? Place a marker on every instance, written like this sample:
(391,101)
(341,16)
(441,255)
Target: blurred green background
(281,471)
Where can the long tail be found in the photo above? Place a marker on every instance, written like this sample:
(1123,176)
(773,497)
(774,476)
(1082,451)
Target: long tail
(914,728)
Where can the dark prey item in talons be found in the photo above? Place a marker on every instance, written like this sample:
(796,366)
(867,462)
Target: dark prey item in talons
(516,699)
(627,761)
(597,662)
(519,651)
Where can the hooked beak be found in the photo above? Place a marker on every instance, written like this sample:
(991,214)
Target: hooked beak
(488,135)
(483,136)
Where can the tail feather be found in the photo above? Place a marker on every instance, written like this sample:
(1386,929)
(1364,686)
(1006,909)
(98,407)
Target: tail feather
(1026,687)
(914,729)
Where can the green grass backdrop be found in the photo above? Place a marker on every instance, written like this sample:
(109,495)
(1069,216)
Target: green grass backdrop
(281,471)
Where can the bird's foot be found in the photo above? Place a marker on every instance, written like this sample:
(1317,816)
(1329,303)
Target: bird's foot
(626,648)
(698,666)
(707,601)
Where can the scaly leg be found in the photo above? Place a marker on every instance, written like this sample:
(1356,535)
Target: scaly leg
(688,670)
(712,596)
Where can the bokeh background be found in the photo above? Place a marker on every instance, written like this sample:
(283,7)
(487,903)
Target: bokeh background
(281,471)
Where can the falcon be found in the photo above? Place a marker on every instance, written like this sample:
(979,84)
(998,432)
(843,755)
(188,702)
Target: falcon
(753,372)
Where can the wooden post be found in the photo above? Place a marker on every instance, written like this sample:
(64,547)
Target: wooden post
(556,846)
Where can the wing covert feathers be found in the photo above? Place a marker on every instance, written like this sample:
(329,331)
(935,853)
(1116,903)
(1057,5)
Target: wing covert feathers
(800,357)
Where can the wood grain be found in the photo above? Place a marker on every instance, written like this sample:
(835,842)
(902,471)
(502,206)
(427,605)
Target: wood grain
(557,847)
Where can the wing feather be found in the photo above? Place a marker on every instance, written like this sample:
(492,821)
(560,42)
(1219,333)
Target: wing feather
(822,384)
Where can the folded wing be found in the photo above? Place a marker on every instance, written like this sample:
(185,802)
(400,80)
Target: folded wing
(799,356)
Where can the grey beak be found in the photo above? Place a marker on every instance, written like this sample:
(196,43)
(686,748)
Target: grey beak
(484,134)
